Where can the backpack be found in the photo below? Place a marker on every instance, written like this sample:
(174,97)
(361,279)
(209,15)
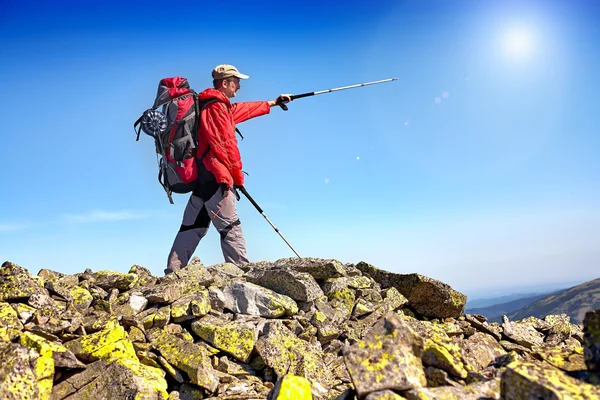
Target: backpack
(174,129)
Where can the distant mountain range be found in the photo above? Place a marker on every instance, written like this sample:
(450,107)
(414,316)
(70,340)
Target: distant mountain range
(575,302)
(496,311)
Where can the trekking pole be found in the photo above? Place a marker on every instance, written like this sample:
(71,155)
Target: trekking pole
(243,190)
(299,96)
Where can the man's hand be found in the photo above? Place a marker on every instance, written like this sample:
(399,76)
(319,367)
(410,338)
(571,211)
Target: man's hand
(282,99)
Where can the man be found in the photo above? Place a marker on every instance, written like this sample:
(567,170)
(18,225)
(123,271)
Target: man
(220,171)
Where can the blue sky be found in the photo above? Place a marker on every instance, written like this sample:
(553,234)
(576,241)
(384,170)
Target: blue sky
(478,167)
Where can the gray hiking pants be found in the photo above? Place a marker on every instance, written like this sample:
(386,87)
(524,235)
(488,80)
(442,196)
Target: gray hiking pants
(198,214)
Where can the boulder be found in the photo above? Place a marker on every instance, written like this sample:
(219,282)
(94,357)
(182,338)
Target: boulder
(527,380)
(291,387)
(188,357)
(591,341)
(235,338)
(248,298)
(17,283)
(24,373)
(429,297)
(388,357)
(300,286)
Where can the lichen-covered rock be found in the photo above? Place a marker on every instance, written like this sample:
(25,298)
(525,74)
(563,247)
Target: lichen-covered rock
(172,289)
(235,338)
(561,357)
(24,374)
(144,275)
(427,296)
(317,267)
(286,354)
(291,387)
(300,286)
(248,298)
(135,381)
(480,350)
(440,352)
(9,321)
(526,380)
(591,329)
(384,395)
(475,391)
(63,358)
(484,327)
(114,280)
(187,356)
(522,333)
(17,283)
(226,269)
(388,357)
(109,344)
(190,307)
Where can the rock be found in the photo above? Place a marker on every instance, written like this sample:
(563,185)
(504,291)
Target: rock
(387,358)
(287,354)
(251,299)
(190,307)
(63,358)
(316,267)
(384,395)
(235,338)
(114,280)
(510,346)
(109,344)
(562,358)
(522,333)
(483,327)
(17,283)
(591,339)
(188,357)
(98,382)
(226,269)
(300,286)
(173,289)
(482,390)
(291,387)
(144,275)
(9,322)
(526,380)
(24,373)
(480,350)
(428,297)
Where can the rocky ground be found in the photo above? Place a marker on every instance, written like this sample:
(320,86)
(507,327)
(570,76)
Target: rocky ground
(292,329)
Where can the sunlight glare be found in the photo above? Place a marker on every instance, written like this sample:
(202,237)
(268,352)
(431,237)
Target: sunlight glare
(518,43)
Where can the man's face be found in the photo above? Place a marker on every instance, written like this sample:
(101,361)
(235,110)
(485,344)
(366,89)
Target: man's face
(231,86)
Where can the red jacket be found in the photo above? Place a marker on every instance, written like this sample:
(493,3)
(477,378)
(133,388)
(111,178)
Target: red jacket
(217,130)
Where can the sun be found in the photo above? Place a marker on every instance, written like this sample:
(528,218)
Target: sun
(517,43)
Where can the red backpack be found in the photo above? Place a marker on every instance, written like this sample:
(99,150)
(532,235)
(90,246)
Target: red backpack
(174,129)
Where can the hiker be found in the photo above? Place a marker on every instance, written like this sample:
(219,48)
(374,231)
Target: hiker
(219,171)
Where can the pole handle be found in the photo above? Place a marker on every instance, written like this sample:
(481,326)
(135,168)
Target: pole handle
(280,104)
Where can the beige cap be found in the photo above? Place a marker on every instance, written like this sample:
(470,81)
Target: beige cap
(226,71)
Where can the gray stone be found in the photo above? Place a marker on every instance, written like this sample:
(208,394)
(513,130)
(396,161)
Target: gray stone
(522,333)
(388,357)
(591,340)
(17,283)
(188,357)
(318,268)
(300,286)
(429,297)
(248,298)
(475,391)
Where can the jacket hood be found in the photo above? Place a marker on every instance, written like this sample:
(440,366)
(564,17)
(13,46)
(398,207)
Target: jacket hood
(212,93)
